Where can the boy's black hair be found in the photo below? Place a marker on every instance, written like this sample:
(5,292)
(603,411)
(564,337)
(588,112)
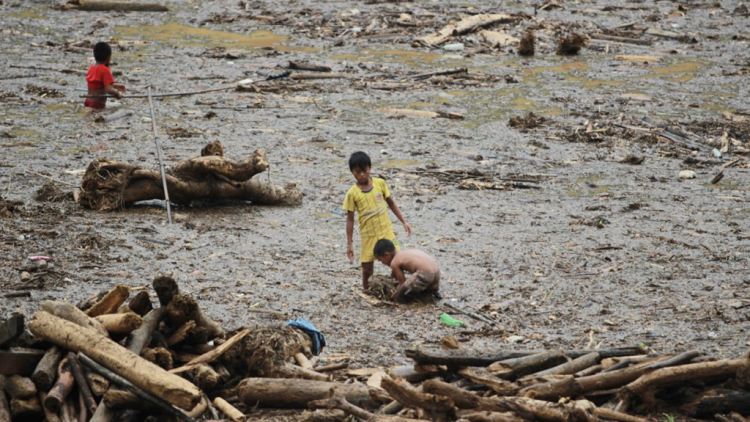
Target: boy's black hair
(383,246)
(102,50)
(359,160)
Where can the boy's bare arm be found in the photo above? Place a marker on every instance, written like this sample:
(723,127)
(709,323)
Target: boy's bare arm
(397,212)
(397,273)
(349,235)
(112,90)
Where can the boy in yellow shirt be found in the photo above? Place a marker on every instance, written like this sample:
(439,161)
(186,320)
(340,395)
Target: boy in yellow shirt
(368,197)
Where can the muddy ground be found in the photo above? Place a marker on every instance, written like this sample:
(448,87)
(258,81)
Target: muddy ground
(607,253)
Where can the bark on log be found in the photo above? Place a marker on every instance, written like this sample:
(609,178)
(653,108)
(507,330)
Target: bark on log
(229,410)
(166,289)
(441,408)
(206,378)
(298,393)
(83,386)
(712,402)
(59,392)
(108,5)
(116,358)
(120,323)
(110,302)
(572,366)
(19,387)
(141,303)
(498,385)
(109,185)
(648,385)
(4,408)
(569,386)
(463,399)
(511,369)
(46,371)
(71,313)
(26,409)
(48,415)
(486,416)
(118,399)
(461,357)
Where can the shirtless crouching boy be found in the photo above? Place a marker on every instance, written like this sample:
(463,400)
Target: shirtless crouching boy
(424,269)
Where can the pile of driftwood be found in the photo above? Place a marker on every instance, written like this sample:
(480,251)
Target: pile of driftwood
(109,357)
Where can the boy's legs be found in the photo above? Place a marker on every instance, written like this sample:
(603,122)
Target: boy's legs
(368,268)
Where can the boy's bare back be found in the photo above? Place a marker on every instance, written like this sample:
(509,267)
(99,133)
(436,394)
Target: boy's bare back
(413,260)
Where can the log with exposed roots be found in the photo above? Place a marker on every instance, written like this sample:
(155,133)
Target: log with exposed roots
(109,185)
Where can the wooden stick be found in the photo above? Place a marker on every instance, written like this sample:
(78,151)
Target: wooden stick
(212,355)
(332,367)
(229,410)
(49,415)
(160,156)
(619,39)
(571,367)
(439,407)
(302,360)
(618,416)
(82,407)
(676,360)
(305,66)
(121,323)
(83,386)
(298,393)
(175,94)
(439,73)
(50,178)
(108,5)
(46,371)
(517,367)
(71,313)
(61,389)
(110,302)
(122,382)
(137,370)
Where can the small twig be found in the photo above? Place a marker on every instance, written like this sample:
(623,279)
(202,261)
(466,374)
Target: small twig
(49,177)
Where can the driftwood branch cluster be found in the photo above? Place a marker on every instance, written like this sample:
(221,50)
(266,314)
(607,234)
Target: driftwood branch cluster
(110,185)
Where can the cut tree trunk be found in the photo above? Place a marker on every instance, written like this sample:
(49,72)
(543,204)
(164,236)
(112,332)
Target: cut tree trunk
(111,302)
(109,185)
(59,392)
(511,369)
(116,358)
(440,408)
(46,371)
(648,385)
(298,393)
(71,313)
(229,410)
(120,323)
(108,5)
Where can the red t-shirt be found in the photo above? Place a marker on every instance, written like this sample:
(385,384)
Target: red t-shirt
(99,76)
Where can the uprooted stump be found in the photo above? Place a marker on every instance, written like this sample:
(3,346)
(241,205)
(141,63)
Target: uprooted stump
(265,352)
(109,185)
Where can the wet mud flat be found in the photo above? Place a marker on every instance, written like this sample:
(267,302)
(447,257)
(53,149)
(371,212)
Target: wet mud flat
(615,248)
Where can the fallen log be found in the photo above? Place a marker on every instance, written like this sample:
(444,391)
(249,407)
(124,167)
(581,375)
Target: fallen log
(119,399)
(206,378)
(165,406)
(511,369)
(498,385)
(648,385)
(463,399)
(120,323)
(716,401)
(463,26)
(110,302)
(118,359)
(46,371)
(440,408)
(19,360)
(273,392)
(571,367)
(48,415)
(18,386)
(461,357)
(109,5)
(59,392)
(71,313)
(26,409)
(109,185)
(11,328)
(229,410)
(310,67)
(338,401)
(83,386)
(4,408)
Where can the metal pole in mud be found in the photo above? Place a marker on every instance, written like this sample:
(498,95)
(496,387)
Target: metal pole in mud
(159,155)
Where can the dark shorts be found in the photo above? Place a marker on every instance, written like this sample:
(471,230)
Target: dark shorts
(419,282)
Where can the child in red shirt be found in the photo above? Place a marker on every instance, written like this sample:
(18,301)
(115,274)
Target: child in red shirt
(100,80)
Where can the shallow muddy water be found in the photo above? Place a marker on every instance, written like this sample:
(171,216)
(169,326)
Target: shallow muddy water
(604,254)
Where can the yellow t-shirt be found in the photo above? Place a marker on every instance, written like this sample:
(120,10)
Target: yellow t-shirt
(372,212)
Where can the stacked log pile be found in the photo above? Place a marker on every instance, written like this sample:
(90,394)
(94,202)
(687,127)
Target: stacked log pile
(116,356)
